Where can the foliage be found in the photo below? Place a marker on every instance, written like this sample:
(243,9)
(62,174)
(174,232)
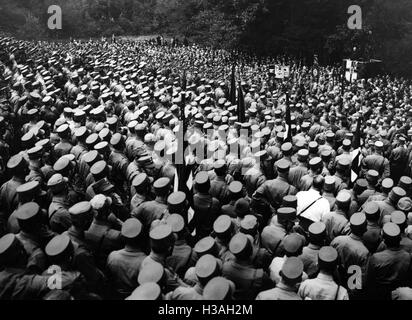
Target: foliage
(295,27)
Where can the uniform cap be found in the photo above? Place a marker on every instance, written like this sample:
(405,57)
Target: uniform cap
(239,244)
(286,147)
(98,168)
(80,208)
(176,222)
(62,129)
(396,194)
(116,139)
(287,213)
(292,268)
(379,144)
(235,187)
(27,211)
(90,157)
(140,180)
(57,183)
(222,225)
(372,175)
(405,183)
(15,161)
(7,243)
(313,146)
(81,132)
(358,219)
(28,188)
(303,155)
(218,288)
(330,183)
(292,243)
(102,147)
(249,224)
(131,228)
(387,184)
(398,218)
(152,272)
(58,245)
(161,232)
(405,204)
(206,266)
(161,184)
(149,292)
(328,255)
(176,199)
(283,165)
(202,178)
(92,139)
(35,152)
(344,197)
(290,201)
(315,163)
(343,163)
(391,230)
(205,245)
(371,209)
(317,229)
(346,143)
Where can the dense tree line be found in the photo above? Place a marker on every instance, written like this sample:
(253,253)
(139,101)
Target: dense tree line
(297,27)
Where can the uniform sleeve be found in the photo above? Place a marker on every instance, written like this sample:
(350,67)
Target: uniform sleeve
(31,287)
(85,264)
(386,169)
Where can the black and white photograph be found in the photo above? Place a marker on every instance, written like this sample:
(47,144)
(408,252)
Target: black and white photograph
(234,151)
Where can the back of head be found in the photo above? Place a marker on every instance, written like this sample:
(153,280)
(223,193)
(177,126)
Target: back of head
(318,183)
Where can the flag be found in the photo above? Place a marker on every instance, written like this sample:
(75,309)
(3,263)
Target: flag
(241,105)
(356,153)
(233,86)
(288,119)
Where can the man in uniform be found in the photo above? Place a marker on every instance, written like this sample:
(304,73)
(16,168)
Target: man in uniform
(102,236)
(206,208)
(247,279)
(8,192)
(309,256)
(15,282)
(372,237)
(323,287)
(58,214)
(287,288)
(81,216)
(64,146)
(389,269)
(150,211)
(124,265)
(273,191)
(377,162)
(207,267)
(351,250)
(337,221)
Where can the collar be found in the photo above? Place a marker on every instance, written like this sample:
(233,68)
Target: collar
(282,179)
(314,246)
(76,233)
(160,200)
(355,237)
(286,287)
(18,179)
(324,276)
(157,258)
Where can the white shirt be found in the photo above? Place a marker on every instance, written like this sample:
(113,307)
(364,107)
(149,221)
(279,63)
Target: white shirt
(317,210)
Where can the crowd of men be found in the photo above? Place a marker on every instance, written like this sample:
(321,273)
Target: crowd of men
(91,199)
